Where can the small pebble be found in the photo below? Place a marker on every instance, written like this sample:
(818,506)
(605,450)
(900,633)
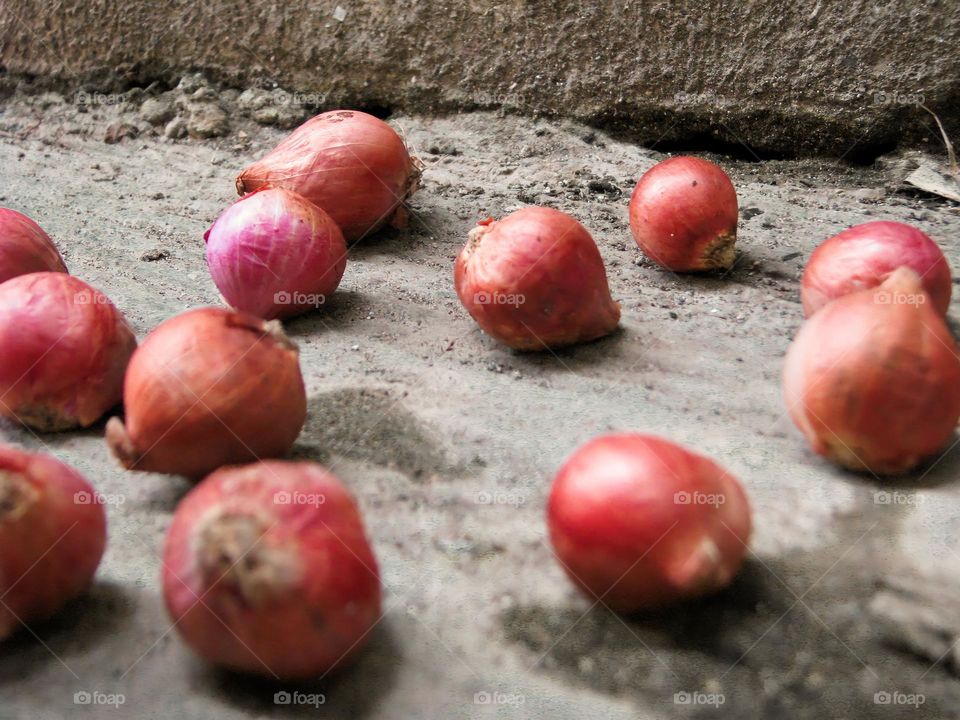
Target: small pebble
(118,131)
(206,120)
(175,129)
(870,194)
(157,111)
(154,255)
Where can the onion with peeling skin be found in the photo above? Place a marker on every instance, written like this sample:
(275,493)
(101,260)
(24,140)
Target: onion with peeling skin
(863,256)
(639,522)
(873,378)
(273,253)
(535,280)
(267,570)
(53,532)
(25,248)
(351,164)
(63,351)
(207,388)
(683,214)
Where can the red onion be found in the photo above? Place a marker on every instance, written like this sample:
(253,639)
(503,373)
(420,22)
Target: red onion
(208,388)
(863,256)
(351,164)
(638,522)
(273,253)
(53,532)
(683,214)
(873,378)
(535,280)
(267,570)
(63,350)
(25,248)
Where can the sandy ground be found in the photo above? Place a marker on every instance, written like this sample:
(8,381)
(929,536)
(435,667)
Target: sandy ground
(450,441)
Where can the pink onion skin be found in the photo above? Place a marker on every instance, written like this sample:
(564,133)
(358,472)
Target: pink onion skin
(278,553)
(53,531)
(63,351)
(25,248)
(207,388)
(535,280)
(683,214)
(863,256)
(275,254)
(353,165)
(873,378)
(624,534)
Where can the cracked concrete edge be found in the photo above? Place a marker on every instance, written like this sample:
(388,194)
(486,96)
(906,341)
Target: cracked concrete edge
(767,77)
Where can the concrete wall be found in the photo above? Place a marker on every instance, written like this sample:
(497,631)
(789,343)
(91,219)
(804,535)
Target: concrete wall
(778,75)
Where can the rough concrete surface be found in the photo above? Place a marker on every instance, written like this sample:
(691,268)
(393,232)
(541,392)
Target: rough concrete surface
(781,76)
(450,441)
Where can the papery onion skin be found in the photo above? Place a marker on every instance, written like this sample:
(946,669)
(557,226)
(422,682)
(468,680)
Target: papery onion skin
(267,570)
(351,164)
(63,351)
(207,388)
(873,378)
(863,256)
(53,531)
(535,280)
(275,254)
(25,248)
(639,522)
(683,215)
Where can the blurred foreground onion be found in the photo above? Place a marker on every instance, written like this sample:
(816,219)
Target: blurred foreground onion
(25,247)
(53,531)
(873,378)
(267,569)
(63,351)
(639,522)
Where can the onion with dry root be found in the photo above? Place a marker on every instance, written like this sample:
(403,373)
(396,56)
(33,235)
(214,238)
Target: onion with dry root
(353,165)
(535,280)
(273,253)
(207,388)
(863,256)
(53,532)
(25,248)
(638,522)
(683,214)
(267,570)
(873,378)
(63,351)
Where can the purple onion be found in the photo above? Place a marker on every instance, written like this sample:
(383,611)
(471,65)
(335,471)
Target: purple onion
(275,254)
